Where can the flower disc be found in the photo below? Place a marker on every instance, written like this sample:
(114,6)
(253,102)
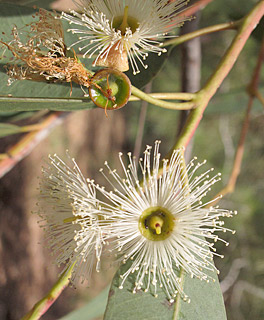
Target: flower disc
(156,223)
(110,89)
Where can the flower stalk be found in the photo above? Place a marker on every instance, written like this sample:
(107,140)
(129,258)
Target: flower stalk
(28,142)
(204,31)
(164,104)
(45,303)
(185,180)
(186,96)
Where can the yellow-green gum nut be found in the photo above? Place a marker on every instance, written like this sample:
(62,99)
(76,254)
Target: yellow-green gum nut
(156,223)
(112,79)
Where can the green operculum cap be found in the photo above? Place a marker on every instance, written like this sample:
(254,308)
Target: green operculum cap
(156,223)
(110,89)
(123,22)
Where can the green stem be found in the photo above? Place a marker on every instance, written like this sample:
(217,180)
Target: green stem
(204,96)
(185,186)
(168,96)
(201,32)
(44,304)
(190,10)
(163,104)
(177,305)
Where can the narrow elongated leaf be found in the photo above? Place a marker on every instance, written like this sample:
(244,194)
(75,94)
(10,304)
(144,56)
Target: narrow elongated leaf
(15,116)
(206,301)
(33,104)
(7,129)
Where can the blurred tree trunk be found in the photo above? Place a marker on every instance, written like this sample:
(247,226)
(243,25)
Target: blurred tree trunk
(17,265)
(191,59)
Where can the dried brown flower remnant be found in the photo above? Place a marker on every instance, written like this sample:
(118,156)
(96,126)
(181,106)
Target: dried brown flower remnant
(42,52)
(39,68)
(48,32)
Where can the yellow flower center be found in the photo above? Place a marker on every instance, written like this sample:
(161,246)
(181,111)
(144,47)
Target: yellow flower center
(156,223)
(123,22)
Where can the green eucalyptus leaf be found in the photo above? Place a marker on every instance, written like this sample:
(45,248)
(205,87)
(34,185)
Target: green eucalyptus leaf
(155,64)
(7,129)
(206,301)
(93,309)
(15,116)
(33,104)
(45,4)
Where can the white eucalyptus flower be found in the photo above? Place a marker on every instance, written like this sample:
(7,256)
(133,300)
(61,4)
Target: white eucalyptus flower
(121,30)
(161,223)
(70,215)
